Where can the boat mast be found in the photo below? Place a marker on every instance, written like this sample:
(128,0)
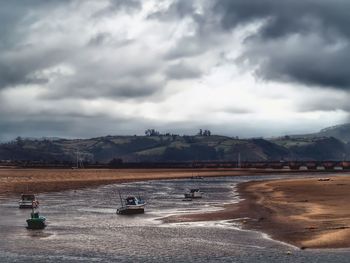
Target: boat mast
(77,159)
(79,162)
(239,160)
(121,199)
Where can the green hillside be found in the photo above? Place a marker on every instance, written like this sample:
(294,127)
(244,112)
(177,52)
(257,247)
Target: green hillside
(171,148)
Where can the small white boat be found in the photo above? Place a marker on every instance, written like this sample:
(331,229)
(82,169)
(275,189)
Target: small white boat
(28,201)
(194,193)
(131,205)
(197,177)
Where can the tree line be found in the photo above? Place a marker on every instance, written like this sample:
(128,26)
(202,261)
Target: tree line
(153,132)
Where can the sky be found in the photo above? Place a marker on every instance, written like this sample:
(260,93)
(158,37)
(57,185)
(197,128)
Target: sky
(81,68)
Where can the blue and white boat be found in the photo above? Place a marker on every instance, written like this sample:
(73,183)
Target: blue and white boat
(131,205)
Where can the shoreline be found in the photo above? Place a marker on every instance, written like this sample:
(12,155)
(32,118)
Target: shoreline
(19,180)
(304,213)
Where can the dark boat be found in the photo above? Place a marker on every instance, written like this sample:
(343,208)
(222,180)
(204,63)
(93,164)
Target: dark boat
(36,221)
(28,201)
(131,205)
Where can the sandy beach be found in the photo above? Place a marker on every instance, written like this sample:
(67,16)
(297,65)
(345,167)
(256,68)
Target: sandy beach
(308,213)
(15,181)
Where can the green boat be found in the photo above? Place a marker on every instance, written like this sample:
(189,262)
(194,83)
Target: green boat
(36,221)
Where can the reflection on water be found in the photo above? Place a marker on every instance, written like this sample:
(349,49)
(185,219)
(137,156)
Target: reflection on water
(83,227)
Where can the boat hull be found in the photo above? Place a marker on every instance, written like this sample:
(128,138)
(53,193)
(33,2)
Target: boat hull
(26,205)
(130,211)
(193,196)
(37,223)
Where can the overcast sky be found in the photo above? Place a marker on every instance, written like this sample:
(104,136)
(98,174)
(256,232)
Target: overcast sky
(79,68)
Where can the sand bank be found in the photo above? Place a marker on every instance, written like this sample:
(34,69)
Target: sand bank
(15,181)
(307,213)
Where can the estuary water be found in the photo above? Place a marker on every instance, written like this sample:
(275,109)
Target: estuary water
(83,227)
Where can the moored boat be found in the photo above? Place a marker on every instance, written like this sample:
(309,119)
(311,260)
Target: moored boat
(131,205)
(197,177)
(36,221)
(194,193)
(28,201)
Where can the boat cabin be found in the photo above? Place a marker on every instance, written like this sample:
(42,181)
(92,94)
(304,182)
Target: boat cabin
(133,205)
(28,201)
(131,200)
(193,193)
(28,197)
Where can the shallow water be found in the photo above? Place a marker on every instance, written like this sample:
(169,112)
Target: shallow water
(83,227)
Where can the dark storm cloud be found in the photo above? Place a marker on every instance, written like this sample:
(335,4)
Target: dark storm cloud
(99,39)
(116,6)
(65,126)
(320,52)
(183,71)
(126,4)
(18,67)
(326,101)
(188,46)
(77,52)
(104,39)
(19,61)
(90,87)
(178,9)
(310,63)
(106,78)
(201,22)
(24,62)
(14,18)
(287,16)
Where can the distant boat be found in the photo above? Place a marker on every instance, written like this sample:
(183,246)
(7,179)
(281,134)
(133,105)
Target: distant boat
(194,193)
(28,201)
(324,179)
(131,205)
(36,221)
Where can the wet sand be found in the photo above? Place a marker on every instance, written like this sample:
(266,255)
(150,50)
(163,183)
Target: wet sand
(304,212)
(307,213)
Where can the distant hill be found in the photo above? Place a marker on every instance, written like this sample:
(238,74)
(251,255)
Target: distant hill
(171,148)
(341,132)
(143,148)
(314,148)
